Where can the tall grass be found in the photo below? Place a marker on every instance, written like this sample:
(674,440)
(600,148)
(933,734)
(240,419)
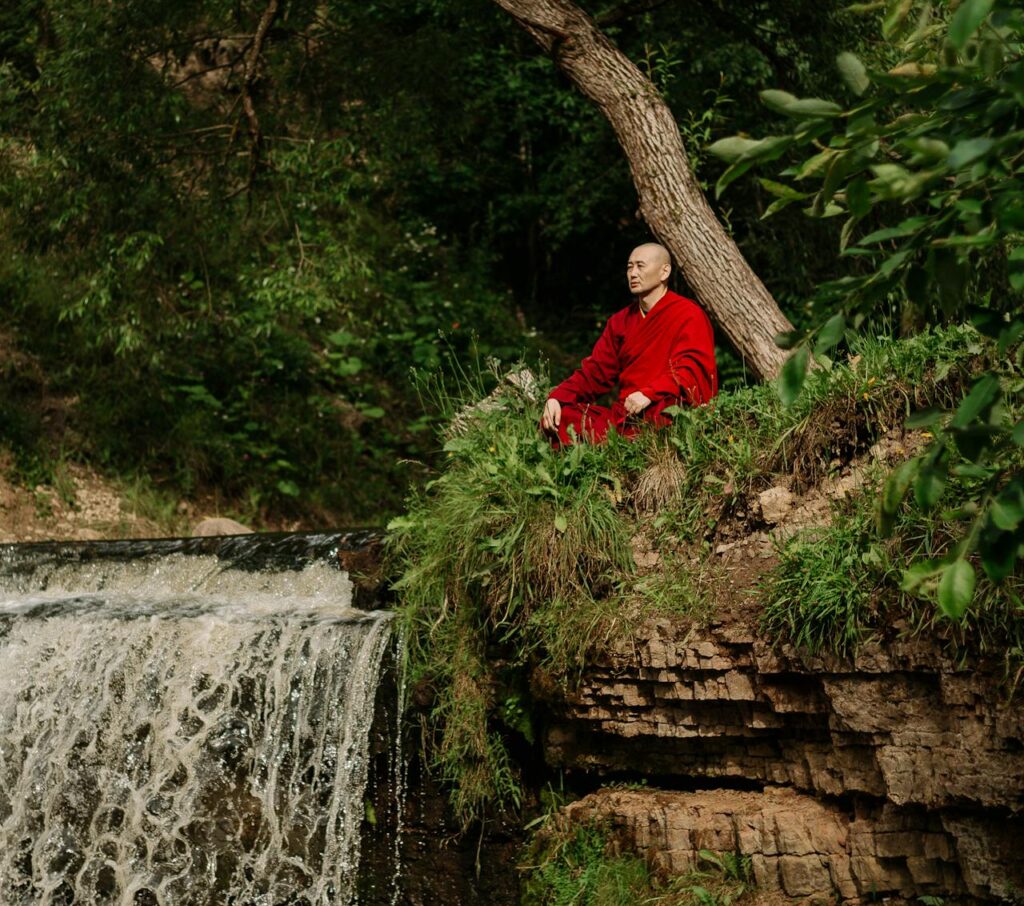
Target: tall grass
(517,556)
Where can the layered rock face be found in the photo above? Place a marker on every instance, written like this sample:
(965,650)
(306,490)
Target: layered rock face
(900,773)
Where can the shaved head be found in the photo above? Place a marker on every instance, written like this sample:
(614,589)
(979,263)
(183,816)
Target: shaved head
(647,272)
(658,253)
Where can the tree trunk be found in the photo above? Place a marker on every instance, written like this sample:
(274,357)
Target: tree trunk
(671,200)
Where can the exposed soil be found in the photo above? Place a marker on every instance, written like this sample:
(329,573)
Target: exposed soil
(85,508)
(741,545)
(82,505)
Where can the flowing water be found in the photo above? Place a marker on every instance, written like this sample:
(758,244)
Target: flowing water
(175,729)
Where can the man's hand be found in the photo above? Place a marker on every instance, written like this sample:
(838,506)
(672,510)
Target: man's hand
(552,416)
(636,402)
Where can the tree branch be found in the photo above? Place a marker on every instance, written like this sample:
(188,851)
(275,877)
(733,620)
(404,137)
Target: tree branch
(248,78)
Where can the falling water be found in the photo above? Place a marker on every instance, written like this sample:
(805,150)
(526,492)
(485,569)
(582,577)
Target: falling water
(179,731)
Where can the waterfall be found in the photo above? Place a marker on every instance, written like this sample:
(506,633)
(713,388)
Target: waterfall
(176,730)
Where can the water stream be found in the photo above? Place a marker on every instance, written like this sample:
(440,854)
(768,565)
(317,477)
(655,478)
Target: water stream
(182,729)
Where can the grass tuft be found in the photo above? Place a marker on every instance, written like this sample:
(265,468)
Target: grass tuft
(578,865)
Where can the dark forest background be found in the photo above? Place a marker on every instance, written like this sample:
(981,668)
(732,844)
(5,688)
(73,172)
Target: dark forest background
(218,269)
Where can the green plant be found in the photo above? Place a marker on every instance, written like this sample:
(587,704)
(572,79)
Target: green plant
(514,547)
(577,865)
(928,156)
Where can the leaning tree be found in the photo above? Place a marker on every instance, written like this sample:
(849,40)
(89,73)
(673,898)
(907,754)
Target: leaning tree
(671,199)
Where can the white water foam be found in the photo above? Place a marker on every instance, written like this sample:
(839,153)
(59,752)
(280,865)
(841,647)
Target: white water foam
(183,734)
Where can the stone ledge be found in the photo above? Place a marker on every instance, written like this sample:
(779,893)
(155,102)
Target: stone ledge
(903,725)
(803,847)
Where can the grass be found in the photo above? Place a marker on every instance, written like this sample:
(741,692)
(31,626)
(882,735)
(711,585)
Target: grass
(516,556)
(578,866)
(841,585)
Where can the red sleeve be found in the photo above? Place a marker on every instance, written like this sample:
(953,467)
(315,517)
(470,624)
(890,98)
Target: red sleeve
(597,373)
(691,376)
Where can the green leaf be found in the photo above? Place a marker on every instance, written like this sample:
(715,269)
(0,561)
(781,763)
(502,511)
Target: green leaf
(978,402)
(1007,510)
(906,228)
(789,339)
(781,190)
(777,206)
(967,151)
(288,487)
(893,492)
(966,21)
(341,338)
(816,163)
(927,150)
(920,572)
(788,104)
(852,72)
(998,551)
(561,524)
(991,56)
(931,481)
(925,418)
(830,334)
(858,197)
(956,589)
(732,148)
(892,262)
(1018,433)
(794,372)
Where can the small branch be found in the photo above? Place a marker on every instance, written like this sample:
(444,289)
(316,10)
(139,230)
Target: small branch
(249,77)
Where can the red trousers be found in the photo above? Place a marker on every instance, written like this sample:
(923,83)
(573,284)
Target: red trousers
(592,423)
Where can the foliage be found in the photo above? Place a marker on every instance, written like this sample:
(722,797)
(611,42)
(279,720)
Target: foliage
(732,448)
(839,586)
(233,308)
(925,166)
(577,865)
(216,316)
(516,549)
(516,557)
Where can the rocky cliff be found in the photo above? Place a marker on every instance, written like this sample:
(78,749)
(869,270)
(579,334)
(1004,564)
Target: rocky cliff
(899,773)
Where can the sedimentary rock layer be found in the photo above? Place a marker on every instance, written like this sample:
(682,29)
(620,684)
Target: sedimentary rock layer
(910,767)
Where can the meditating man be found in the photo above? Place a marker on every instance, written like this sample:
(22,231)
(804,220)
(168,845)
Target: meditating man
(659,349)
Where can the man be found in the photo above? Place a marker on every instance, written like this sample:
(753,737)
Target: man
(659,349)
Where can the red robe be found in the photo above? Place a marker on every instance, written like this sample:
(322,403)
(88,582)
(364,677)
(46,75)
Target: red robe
(668,355)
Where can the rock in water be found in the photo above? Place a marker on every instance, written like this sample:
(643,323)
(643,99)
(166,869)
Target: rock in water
(219,525)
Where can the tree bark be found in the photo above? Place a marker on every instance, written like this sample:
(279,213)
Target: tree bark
(671,200)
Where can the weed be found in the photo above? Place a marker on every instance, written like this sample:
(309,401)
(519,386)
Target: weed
(577,865)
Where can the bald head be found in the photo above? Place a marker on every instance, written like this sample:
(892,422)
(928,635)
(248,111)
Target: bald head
(647,272)
(653,251)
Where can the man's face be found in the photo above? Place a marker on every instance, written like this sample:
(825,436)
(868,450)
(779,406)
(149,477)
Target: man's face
(645,270)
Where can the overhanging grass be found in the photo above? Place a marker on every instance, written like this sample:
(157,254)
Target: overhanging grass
(517,555)
(838,586)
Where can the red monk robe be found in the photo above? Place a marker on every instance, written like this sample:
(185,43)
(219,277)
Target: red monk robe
(667,354)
